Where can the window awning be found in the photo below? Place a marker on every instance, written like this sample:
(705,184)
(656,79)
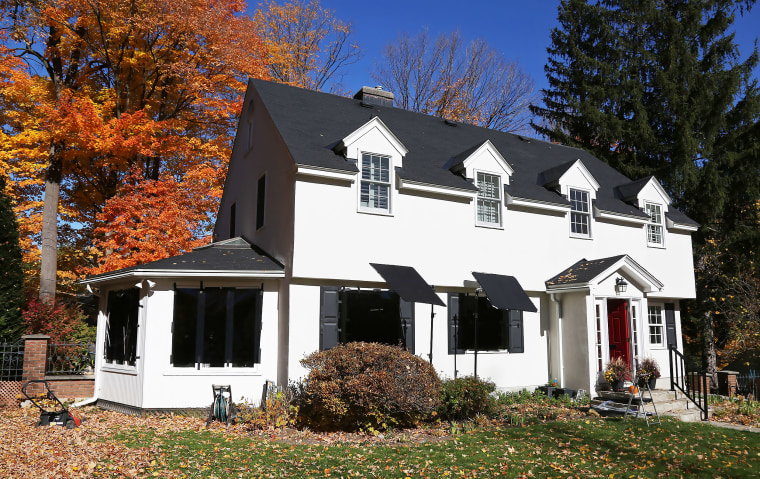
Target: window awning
(408,283)
(504,292)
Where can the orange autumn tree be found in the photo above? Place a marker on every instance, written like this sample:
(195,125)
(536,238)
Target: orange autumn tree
(149,220)
(108,86)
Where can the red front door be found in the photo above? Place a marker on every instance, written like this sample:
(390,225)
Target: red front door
(617,316)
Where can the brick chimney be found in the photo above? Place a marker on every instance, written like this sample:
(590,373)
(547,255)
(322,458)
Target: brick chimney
(374,96)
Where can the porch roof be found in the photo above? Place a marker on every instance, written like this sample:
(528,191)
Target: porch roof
(586,273)
(234,258)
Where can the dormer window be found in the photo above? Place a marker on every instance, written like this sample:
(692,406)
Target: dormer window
(655,225)
(489,199)
(375,186)
(580,213)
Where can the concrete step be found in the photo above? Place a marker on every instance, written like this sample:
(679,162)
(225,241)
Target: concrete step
(664,400)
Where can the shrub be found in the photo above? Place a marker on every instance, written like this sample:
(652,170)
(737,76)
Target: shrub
(60,320)
(367,386)
(464,398)
(277,411)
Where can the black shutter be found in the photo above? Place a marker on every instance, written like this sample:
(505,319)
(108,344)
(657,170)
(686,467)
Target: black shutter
(328,317)
(406,310)
(516,342)
(670,324)
(257,328)
(452,324)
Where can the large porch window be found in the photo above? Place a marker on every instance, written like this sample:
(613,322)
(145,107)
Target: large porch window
(216,327)
(121,326)
(475,325)
(371,316)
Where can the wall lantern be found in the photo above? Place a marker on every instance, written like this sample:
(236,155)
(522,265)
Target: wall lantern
(620,285)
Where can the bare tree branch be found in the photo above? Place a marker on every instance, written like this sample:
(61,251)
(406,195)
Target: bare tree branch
(451,78)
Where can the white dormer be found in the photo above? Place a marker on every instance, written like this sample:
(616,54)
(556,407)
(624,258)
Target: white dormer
(377,153)
(650,197)
(483,157)
(374,136)
(573,181)
(489,171)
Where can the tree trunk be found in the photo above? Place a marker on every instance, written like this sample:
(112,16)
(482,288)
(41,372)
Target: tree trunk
(49,260)
(711,361)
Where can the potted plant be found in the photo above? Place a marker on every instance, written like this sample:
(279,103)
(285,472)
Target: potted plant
(648,372)
(616,372)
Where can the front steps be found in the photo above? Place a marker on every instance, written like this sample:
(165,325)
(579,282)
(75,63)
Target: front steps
(665,401)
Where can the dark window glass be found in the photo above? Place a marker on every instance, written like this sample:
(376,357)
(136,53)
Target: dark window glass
(233,215)
(121,328)
(260,201)
(185,327)
(480,325)
(245,340)
(371,316)
(216,327)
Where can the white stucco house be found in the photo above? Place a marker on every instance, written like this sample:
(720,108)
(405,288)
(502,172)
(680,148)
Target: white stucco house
(348,219)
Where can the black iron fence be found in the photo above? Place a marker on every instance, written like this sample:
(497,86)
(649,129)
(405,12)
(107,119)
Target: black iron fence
(747,384)
(70,358)
(11,361)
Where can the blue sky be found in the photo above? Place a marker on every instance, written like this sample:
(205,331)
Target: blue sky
(518,29)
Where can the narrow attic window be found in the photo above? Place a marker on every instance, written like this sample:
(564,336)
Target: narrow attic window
(654,227)
(489,199)
(580,214)
(374,194)
(261,201)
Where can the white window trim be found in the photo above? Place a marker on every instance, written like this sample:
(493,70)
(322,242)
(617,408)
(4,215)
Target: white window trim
(499,201)
(391,176)
(588,214)
(661,325)
(651,224)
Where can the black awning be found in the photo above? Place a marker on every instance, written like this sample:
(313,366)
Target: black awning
(408,283)
(504,292)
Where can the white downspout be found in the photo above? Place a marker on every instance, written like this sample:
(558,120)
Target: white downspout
(558,310)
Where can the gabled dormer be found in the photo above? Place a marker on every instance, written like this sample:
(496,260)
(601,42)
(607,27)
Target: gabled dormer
(650,197)
(376,152)
(489,171)
(576,183)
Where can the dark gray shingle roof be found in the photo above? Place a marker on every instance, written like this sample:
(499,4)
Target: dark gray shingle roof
(312,123)
(235,255)
(583,271)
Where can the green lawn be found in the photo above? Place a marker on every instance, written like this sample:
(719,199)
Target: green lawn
(590,447)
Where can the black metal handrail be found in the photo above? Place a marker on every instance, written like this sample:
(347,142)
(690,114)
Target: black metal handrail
(690,379)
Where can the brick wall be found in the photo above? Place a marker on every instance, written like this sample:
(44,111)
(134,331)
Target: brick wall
(35,366)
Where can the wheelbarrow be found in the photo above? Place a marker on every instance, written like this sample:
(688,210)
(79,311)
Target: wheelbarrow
(61,417)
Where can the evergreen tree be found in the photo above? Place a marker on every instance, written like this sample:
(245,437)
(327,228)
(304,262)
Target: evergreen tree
(11,273)
(656,87)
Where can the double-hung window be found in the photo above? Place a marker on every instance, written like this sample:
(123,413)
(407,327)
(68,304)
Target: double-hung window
(489,199)
(656,337)
(376,182)
(654,227)
(580,213)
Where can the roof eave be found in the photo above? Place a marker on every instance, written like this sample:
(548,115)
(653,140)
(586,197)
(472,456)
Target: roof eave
(174,273)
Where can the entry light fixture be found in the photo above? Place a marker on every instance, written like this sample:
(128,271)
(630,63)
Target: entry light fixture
(620,285)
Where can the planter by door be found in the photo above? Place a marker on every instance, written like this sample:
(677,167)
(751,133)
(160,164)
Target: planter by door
(617,386)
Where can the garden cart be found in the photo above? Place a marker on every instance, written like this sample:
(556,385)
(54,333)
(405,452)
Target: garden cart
(62,416)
